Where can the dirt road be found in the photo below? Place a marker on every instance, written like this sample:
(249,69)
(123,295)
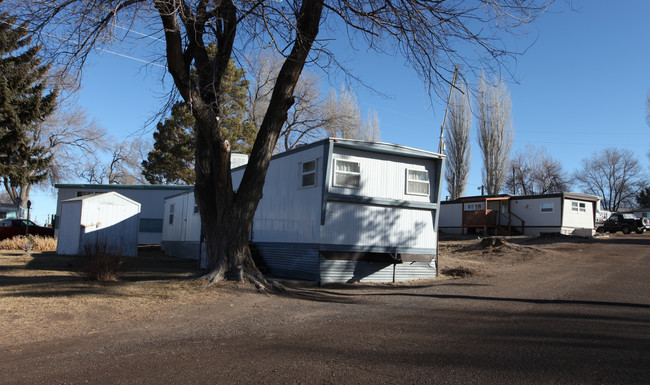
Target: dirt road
(537,312)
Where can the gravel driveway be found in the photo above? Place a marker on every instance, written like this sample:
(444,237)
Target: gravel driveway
(536,311)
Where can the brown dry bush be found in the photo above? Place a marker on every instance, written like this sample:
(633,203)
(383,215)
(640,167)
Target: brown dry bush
(29,243)
(102,262)
(458,272)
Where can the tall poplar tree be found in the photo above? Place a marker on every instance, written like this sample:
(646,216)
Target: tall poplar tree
(24,104)
(495,132)
(457,142)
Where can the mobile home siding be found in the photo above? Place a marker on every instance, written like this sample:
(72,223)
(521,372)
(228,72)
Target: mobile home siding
(360,224)
(451,218)
(289,212)
(537,221)
(577,220)
(383,176)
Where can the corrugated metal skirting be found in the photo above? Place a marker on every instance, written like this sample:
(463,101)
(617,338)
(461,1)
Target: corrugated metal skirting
(298,261)
(338,271)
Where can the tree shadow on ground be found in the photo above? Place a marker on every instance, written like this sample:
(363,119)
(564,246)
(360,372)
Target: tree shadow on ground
(361,295)
(49,274)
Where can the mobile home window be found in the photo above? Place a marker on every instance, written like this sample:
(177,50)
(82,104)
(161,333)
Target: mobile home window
(171,214)
(309,174)
(347,173)
(84,193)
(579,207)
(547,207)
(417,182)
(473,206)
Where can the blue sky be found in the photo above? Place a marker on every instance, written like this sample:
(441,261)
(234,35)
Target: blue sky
(579,89)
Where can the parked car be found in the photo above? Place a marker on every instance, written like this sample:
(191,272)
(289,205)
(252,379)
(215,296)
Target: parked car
(626,223)
(9,228)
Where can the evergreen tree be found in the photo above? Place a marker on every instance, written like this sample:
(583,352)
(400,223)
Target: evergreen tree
(172,159)
(23,106)
(643,198)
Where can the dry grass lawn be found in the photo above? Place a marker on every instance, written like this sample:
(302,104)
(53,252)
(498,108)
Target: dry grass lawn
(45,293)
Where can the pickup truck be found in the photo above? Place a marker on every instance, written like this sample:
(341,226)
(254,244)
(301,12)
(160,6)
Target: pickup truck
(623,222)
(9,228)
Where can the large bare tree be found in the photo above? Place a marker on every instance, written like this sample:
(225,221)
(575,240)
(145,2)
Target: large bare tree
(431,36)
(457,143)
(121,165)
(495,133)
(305,118)
(614,175)
(311,117)
(534,171)
(344,118)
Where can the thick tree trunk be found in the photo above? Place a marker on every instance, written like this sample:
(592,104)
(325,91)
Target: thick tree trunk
(227,216)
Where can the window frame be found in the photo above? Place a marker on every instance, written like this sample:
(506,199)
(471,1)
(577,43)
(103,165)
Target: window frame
(171,213)
(427,182)
(543,209)
(304,173)
(336,172)
(579,207)
(478,206)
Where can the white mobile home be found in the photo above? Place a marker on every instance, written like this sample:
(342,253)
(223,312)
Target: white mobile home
(108,221)
(10,211)
(337,211)
(150,197)
(563,213)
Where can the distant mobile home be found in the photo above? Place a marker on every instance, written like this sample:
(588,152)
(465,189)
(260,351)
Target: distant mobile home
(563,213)
(336,210)
(150,197)
(107,221)
(11,211)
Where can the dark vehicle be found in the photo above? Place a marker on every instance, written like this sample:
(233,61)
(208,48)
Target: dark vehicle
(625,223)
(9,228)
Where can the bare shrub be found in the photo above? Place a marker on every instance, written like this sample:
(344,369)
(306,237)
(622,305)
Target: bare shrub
(29,242)
(458,272)
(102,262)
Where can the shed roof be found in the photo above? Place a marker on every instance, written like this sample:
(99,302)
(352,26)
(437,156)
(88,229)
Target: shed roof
(100,196)
(569,195)
(123,186)
(375,147)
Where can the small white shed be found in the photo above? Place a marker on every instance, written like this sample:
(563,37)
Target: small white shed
(108,219)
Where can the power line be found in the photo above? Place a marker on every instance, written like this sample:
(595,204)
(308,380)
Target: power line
(131,57)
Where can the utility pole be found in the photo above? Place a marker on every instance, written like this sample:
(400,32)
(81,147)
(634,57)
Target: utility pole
(441,146)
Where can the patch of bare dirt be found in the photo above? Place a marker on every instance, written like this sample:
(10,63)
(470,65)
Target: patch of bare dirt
(463,256)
